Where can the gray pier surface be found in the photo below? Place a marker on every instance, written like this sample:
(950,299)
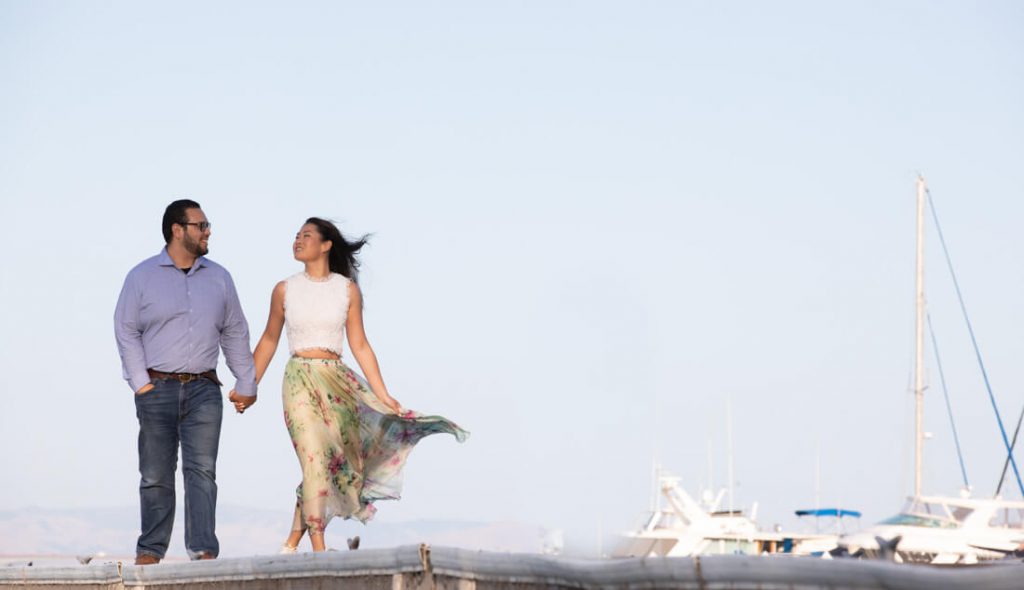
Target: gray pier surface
(425,568)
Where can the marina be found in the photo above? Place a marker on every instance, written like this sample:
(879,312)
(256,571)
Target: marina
(930,529)
(680,526)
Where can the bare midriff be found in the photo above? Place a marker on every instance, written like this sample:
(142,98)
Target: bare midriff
(317,353)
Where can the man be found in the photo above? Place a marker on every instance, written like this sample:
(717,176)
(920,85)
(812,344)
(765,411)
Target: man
(175,312)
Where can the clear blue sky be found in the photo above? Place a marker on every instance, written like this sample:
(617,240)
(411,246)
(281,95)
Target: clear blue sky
(594,223)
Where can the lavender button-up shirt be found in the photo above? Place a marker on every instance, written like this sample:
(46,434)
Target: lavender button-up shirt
(176,323)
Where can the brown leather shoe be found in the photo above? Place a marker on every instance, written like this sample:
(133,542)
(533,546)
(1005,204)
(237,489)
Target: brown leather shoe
(146,559)
(205,555)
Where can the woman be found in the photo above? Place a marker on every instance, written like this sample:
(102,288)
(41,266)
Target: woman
(350,435)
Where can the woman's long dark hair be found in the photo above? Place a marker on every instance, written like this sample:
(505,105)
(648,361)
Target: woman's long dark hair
(342,257)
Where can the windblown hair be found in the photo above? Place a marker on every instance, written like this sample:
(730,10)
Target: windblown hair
(175,213)
(342,256)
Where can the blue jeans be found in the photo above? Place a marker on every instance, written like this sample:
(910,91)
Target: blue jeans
(189,415)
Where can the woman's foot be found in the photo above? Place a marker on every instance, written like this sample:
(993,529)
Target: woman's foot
(291,544)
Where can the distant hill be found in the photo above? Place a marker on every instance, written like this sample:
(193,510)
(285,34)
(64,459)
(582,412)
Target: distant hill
(243,532)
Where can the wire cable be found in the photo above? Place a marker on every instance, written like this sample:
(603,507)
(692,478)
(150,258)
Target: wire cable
(974,342)
(949,407)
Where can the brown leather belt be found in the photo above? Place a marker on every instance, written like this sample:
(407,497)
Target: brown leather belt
(184,377)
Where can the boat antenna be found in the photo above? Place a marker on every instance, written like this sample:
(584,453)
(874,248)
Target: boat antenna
(711,467)
(656,483)
(728,430)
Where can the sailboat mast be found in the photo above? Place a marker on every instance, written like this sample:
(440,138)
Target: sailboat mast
(919,343)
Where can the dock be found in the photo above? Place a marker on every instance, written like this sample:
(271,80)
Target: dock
(422,567)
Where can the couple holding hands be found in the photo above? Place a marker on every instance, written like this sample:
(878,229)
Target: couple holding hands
(178,309)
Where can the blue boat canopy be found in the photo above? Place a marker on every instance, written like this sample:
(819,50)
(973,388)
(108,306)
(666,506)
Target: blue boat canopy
(838,512)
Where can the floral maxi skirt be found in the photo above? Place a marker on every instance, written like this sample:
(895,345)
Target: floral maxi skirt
(351,447)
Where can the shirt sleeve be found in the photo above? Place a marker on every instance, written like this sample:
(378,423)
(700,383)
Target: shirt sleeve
(128,334)
(234,340)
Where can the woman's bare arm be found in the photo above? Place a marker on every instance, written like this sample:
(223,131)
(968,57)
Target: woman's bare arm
(267,345)
(362,350)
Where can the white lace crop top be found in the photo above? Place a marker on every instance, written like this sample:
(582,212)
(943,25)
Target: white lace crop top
(315,312)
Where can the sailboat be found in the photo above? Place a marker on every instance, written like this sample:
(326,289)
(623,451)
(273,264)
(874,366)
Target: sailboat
(940,529)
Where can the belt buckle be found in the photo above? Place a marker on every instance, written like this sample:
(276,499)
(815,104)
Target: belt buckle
(184,378)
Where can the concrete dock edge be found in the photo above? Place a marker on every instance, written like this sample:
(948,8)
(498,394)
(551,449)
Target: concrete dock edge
(421,567)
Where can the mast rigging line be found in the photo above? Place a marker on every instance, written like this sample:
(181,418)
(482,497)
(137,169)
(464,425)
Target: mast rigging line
(974,342)
(1013,445)
(949,408)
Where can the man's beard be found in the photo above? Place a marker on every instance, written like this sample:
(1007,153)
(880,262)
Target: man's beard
(194,247)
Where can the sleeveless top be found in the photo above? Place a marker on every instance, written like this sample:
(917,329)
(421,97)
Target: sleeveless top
(315,312)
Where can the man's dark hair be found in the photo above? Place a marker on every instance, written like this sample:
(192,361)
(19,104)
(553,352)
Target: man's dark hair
(175,213)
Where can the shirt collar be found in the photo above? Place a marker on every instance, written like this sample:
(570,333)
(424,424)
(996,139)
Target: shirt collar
(164,259)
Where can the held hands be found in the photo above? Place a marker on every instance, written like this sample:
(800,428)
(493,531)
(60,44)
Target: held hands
(241,402)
